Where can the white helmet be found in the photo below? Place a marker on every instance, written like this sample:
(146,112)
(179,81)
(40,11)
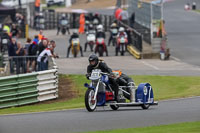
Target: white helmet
(100,27)
(63,15)
(75,31)
(121,29)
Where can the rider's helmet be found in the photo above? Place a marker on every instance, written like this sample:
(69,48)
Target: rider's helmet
(121,29)
(91,26)
(93,60)
(113,25)
(96,14)
(75,31)
(100,28)
(63,15)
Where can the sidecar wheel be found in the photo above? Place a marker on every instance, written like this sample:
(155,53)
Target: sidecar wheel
(145,106)
(89,103)
(114,107)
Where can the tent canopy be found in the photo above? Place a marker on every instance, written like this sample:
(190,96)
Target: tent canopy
(5,12)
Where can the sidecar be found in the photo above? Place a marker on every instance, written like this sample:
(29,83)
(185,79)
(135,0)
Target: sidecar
(99,93)
(141,96)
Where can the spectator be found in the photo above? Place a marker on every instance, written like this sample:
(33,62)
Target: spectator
(40,35)
(43,58)
(15,31)
(36,39)
(132,19)
(4,44)
(32,52)
(193,5)
(28,43)
(12,48)
(42,45)
(82,23)
(124,16)
(53,43)
(37,5)
(20,60)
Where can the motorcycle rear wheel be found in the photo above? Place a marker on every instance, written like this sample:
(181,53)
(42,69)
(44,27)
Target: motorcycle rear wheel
(89,103)
(100,50)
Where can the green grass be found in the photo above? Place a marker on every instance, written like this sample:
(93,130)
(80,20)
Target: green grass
(188,127)
(197,10)
(164,87)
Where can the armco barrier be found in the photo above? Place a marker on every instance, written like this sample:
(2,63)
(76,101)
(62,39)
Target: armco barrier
(28,88)
(47,85)
(18,90)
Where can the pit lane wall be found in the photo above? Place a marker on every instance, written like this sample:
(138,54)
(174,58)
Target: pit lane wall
(28,88)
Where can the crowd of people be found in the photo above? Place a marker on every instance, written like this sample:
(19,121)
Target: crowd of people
(32,56)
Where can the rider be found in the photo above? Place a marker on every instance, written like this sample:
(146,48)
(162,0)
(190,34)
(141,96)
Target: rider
(90,30)
(122,33)
(124,80)
(73,36)
(113,27)
(96,63)
(96,20)
(63,17)
(101,34)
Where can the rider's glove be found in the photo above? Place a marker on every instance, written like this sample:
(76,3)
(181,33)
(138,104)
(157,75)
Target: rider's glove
(112,75)
(87,75)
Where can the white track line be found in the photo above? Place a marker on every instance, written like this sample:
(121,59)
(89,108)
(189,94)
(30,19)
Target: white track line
(149,65)
(176,59)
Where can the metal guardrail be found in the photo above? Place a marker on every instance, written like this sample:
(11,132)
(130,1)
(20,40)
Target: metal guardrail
(47,85)
(28,88)
(134,37)
(23,64)
(18,90)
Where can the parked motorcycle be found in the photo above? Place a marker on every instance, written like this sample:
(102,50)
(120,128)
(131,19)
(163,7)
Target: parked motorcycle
(4,44)
(114,33)
(121,47)
(75,46)
(91,39)
(100,46)
(99,93)
(64,26)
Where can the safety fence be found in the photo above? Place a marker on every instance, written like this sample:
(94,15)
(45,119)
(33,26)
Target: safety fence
(28,88)
(147,15)
(49,19)
(26,64)
(134,37)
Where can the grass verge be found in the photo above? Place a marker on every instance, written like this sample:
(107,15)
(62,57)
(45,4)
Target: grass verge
(188,127)
(164,87)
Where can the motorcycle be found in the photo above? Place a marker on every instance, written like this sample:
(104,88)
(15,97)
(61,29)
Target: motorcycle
(114,33)
(121,47)
(99,93)
(4,44)
(100,46)
(40,22)
(91,39)
(87,22)
(64,26)
(95,23)
(75,46)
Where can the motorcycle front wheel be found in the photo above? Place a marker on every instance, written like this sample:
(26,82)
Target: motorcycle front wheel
(90,104)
